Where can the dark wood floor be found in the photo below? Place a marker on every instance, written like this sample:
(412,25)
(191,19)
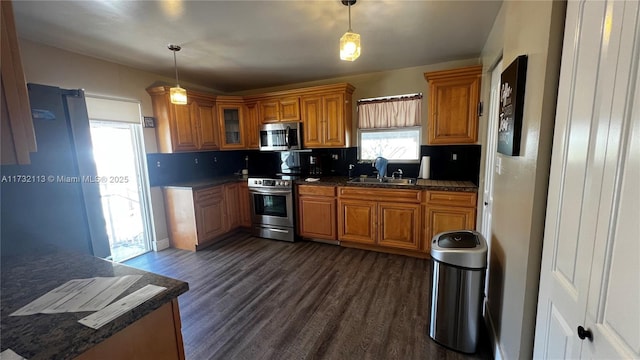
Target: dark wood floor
(253,298)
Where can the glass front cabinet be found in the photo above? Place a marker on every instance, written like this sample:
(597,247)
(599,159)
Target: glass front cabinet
(231,124)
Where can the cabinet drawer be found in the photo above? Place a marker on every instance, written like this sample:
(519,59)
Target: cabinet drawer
(394,195)
(208,194)
(316,190)
(451,198)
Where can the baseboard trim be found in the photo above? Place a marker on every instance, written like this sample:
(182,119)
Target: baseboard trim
(495,345)
(161,244)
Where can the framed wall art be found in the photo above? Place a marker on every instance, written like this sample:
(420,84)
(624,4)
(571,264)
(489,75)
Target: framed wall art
(512,84)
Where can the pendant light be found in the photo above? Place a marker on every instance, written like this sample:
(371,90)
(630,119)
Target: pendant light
(350,41)
(177,94)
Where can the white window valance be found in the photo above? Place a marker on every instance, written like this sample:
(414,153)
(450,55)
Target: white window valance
(394,112)
(103,108)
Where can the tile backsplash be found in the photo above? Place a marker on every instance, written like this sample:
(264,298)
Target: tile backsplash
(165,169)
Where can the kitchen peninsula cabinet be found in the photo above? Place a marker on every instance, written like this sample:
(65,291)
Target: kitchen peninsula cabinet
(230,116)
(279,109)
(386,218)
(190,127)
(453,105)
(195,218)
(317,212)
(446,211)
(326,116)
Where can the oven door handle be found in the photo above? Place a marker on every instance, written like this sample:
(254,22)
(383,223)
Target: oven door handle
(271,192)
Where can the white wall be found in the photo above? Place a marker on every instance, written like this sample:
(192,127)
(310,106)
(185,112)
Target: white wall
(51,66)
(533,28)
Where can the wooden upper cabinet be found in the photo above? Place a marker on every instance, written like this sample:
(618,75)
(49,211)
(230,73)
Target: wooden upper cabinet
(231,122)
(286,108)
(251,126)
(206,127)
(326,117)
(190,127)
(18,135)
(453,105)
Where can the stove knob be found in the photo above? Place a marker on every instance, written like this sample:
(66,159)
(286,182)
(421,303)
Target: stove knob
(285,183)
(278,183)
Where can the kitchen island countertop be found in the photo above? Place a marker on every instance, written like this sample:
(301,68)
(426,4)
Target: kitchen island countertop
(26,277)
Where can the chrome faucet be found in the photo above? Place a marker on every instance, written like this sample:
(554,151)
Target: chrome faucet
(399,172)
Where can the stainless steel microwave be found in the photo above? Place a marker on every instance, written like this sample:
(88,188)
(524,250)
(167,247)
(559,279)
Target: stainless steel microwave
(282,136)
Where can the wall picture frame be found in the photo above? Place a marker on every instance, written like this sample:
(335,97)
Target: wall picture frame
(148,122)
(512,86)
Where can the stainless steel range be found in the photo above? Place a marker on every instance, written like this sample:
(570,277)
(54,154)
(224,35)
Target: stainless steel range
(272,208)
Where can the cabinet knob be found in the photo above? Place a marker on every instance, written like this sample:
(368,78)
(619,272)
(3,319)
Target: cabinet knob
(584,333)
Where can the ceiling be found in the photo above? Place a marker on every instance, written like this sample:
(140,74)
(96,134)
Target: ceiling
(239,45)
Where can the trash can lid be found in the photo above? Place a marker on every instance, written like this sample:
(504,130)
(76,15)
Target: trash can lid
(463,248)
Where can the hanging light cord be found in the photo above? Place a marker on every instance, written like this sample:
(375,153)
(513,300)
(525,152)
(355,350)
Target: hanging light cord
(175,66)
(349,16)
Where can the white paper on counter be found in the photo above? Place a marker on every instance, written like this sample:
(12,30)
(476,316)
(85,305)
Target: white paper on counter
(104,316)
(77,295)
(10,355)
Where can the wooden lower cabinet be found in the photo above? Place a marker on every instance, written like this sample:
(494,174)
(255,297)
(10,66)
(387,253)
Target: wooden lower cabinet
(197,218)
(157,335)
(399,225)
(357,221)
(317,212)
(447,211)
(385,218)
(232,200)
(244,204)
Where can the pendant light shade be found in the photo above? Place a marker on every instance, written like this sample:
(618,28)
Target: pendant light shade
(350,41)
(177,94)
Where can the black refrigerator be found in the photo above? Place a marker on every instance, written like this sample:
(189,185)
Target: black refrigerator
(54,200)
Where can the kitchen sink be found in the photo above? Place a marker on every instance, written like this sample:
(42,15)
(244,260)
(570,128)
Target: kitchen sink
(384,181)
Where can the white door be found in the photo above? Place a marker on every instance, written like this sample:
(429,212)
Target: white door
(492,130)
(590,275)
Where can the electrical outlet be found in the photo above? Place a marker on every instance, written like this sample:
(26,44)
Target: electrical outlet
(498,165)
(215,159)
(195,160)
(157,163)
(334,156)
(454,157)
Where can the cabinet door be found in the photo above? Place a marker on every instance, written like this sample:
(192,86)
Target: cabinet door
(232,206)
(289,108)
(317,217)
(357,221)
(312,115)
(207,125)
(453,101)
(251,127)
(269,111)
(210,217)
(183,128)
(244,204)
(442,218)
(399,225)
(231,132)
(333,120)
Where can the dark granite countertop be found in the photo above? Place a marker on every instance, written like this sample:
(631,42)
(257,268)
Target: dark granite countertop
(60,336)
(205,183)
(421,184)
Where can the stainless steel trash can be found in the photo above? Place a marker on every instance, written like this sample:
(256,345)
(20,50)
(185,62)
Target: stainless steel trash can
(459,262)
